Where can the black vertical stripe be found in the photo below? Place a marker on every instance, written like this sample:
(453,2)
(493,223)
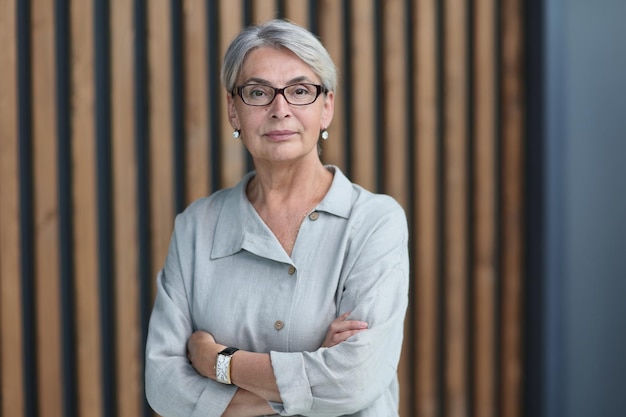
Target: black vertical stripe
(347,87)
(66,246)
(214,94)
(412,178)
(178,105)
(314,24)
(27,227)
(247,14)
(142,149)
(281,9)
(104,199)
(536,376)
(379,97)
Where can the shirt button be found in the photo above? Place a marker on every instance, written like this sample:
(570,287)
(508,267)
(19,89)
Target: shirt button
(278,324)
(292,270)
(314,216)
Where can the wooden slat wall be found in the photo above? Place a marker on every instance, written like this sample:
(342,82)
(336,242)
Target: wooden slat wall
(112,120)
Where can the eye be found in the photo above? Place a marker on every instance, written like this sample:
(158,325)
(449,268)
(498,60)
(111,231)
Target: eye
(256,91)
(301,90)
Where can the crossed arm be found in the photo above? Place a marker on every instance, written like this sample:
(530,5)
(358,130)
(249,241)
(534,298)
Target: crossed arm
(252,372)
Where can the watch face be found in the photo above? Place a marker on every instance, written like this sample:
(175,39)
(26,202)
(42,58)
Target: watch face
(221,369)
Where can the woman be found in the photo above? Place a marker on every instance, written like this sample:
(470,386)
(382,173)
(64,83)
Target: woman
(287,293)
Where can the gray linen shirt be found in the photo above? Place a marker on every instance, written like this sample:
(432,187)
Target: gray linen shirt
(226,273)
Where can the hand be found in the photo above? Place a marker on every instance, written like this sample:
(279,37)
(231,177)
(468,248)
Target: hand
(202,352)
(341,329)
(245,403)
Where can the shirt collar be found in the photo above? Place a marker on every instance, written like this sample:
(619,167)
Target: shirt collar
(239,226)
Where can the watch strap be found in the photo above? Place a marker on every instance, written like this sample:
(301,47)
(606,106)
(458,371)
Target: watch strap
(229,351)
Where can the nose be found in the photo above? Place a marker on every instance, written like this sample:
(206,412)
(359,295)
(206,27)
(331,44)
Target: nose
(279,106)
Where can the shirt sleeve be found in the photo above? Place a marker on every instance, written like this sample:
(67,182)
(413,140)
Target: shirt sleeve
(350,376)
(173,386)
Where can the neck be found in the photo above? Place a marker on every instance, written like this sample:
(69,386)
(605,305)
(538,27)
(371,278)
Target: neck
(288,190)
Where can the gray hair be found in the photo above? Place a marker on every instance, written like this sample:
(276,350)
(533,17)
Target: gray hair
(279,33)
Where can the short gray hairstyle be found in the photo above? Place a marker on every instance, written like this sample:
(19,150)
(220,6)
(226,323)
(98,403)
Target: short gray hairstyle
(279,33)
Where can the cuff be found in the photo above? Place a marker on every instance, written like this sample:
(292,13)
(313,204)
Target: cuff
(293,383)
(214,400)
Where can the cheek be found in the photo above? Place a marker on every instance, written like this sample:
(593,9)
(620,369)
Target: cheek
(252,121)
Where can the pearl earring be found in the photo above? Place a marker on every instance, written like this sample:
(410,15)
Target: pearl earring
(236,133)
(324,134)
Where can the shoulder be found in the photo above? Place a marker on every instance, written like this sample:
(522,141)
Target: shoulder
(348,198)
(375,206)
(365,210)
(379,214)
(375,202)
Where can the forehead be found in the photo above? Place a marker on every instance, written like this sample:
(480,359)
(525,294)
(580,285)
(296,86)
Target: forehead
(275,65)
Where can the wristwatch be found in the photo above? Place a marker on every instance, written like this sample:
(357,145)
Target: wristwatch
(222,365)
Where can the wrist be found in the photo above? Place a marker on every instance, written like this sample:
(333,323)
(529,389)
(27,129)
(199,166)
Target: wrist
(211,359)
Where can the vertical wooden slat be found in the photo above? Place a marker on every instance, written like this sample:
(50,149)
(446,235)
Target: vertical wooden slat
(425,267)
(394,101)
(484,256)
(456,189)
(264,10)
(11,340)
(394,138)
(297,12)
(129,389)
(160,120)
(233,160)
(333,149)
(84,211)
(196,100)
(512,206)
(46,210)
(363,90)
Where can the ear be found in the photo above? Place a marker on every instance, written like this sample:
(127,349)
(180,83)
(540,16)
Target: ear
(328,110)
(233,118)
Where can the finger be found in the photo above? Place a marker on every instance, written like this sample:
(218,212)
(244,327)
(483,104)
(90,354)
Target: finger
(348,325)
(343,336)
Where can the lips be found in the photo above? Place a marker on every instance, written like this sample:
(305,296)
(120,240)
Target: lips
(279,135)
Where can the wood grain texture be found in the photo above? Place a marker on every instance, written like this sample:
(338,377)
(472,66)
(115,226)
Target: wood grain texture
(427,216)
(11,337)
(363,89)
(484,285)
(129,369)
(449,149)
(330,22)
(455,149)
(160,124)
(196,100)
(84,209)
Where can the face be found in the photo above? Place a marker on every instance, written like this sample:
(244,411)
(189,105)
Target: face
(279,131)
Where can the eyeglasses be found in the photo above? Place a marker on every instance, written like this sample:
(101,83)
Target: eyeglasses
(295,94)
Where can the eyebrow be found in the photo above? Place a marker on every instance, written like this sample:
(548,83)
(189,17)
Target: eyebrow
(296,80)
